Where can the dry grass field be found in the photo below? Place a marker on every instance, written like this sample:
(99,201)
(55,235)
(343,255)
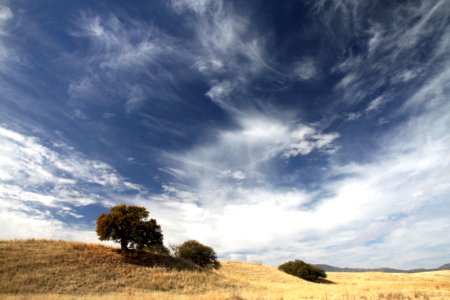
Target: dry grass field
(38,269)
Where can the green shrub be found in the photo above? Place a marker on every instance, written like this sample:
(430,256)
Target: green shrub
(303,270)
(202,255)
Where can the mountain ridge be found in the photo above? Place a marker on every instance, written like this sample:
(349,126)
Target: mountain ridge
(329,268)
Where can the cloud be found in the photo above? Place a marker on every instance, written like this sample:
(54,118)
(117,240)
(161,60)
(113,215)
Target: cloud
(229,51)
(220,92)
(136,98)
(258,140)
(20,221)
(208,67)
(236,175)
(123,62)
(376,103)
(198,6)
(6,15)
(353,116)
(53,178)
(307,139)
(305,69)
(390,55)
(115,45)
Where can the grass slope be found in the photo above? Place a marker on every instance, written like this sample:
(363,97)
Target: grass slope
(41,266)
(37,269)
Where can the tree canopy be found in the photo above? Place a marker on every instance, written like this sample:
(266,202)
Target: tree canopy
(129,226)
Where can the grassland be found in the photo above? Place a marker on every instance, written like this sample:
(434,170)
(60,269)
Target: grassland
(38,269)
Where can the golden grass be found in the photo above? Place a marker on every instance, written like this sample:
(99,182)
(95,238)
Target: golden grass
(64,270)
(37,266)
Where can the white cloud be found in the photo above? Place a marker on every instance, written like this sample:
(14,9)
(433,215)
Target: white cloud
(353,116)
(376,103)
(5,17)
(236,175)
(34,172)
(219,93)
(346,81)
(226,43)
(375,40)
(21,222)
(136,97)
(115,45)
(116,52)
(259,140)
(197,6)
(305,69)
(393,43)
(407,75)
(305,139)
(210,66)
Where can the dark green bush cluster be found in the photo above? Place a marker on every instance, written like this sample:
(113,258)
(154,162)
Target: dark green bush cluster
(303,270)
(202,255)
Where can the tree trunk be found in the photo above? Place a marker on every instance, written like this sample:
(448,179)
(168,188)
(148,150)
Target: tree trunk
(124,246)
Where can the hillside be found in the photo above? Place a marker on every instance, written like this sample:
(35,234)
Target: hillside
(39,269)
(41,266)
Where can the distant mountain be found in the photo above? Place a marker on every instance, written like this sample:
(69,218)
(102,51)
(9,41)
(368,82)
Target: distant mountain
(444,267)
(329,268)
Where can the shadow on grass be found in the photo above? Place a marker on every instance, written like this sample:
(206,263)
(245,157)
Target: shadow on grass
(149,259)
(323,281)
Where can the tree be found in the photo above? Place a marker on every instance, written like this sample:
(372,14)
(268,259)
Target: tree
(129,226)
(303,270)
(202,255)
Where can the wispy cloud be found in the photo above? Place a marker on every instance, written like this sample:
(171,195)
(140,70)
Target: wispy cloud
(375,103)
(115,45)
(5,15)
(258,140)
(389,39)
(123,63)
(305,69)
(6,18)
(198,6)
(136,97)
(230,52)
(52,177)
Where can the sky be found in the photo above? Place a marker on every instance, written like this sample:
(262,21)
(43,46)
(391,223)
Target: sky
(269,130)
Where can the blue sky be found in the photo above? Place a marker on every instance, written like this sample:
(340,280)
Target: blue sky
(317,130)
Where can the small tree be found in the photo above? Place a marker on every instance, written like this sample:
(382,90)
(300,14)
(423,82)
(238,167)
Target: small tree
(128,225)
(303,270)
(202,255)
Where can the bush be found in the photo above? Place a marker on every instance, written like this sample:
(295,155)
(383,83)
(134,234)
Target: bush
(199,254)
(303,270)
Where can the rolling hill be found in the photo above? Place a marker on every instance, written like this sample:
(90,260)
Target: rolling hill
(42,269)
